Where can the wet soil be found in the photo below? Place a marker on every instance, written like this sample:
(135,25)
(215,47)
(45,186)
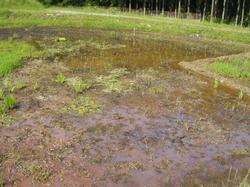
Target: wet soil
(158,125)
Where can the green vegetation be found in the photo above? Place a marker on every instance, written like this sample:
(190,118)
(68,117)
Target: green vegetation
(79,86)
(61,78)
(112,82)
(10,102)
(84,105)
(232,67)
(17,4)
(40,173)
(60,39)
(11,53)
(21,18)
(216,83)
(5,119)
(241,95)
(1,93)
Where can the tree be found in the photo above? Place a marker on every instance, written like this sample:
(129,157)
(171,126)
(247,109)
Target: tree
(144,7)
(163,6)
(130,6)
(223,12)
(212,12)
(156,7)
(242,14)
(188,8)
(237,13)
(204,10)
(179,9)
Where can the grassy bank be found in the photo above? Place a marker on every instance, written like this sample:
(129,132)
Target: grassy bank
(11,54)
(232,67)
(48,17)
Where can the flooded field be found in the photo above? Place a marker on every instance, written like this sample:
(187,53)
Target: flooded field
(139,119)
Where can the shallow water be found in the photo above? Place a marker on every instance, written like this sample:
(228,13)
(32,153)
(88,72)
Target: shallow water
(170,129)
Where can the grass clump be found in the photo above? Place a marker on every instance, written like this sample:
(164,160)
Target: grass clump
(216,84)
(113,82)
(11,53)
(241,95)
(233,67)
(1,93)
(84,105)
(5,119)
(40,173)
(10,102)
(79,86)
(61,78)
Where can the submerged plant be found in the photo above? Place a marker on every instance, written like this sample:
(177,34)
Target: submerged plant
(61,78)
(241,95)
(10,102)
(216,83)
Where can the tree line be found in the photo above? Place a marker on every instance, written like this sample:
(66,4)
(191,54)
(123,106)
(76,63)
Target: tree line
(224,11)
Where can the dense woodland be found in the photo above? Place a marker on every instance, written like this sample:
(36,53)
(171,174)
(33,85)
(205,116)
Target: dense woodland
(226,11)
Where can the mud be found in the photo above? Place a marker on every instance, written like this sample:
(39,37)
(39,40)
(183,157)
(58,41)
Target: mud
(159,126)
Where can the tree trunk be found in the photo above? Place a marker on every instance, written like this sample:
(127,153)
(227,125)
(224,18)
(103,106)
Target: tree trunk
(163,7)
(188,8)
(215,8)
(137,5)
(223,12)
(179,9)
(175,10)
(156,7)
(130,6)
(212,12)
(204,10)
(144,7)
(237,13)
(242,14)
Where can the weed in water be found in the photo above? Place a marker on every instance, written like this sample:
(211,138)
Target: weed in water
(21,85)
(40,173)
(84,105)
(5,120)
(2,181)
(61,78)
(1,93)
(2,109)
(79,86)
(157,90)
(10,102)
(241,95)
(216,84)
(35,87)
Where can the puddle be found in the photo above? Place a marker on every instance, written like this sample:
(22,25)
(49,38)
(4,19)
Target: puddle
(159,126)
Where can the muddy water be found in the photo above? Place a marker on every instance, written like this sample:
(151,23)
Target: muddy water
(170,129)
(161,142)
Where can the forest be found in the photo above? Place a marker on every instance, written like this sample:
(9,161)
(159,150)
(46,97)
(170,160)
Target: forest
(226,11)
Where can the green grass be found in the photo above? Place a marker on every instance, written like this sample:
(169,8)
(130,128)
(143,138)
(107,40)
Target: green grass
(232,67)
(11,53)
(25,17)
(16,4)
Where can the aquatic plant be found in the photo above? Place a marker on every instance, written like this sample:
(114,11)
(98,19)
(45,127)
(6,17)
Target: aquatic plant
(216,84)
(241,95)
(79,86)
(21,85)
(84,105)
(10,102)
(61,78)
(40,173)
(35,87)
(1,93)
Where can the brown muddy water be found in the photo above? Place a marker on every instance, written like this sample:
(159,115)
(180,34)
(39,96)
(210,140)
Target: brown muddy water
(144,122)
